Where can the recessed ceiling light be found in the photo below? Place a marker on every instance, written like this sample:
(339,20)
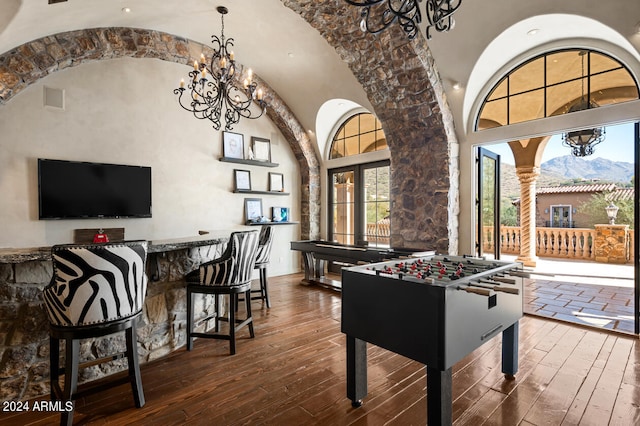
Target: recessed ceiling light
(532,31)
(290,54)
(456,85)
(126,10)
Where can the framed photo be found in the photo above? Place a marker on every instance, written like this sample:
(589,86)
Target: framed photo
(280,214)
(233,145)
(261,149)
(276,182)
(242,179)
(252,209)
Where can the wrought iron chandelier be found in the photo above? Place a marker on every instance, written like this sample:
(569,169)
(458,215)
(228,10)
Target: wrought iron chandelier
(583,141)
(213,91)
(407,13)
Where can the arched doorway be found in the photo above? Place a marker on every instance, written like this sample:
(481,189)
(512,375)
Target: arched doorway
(554,83)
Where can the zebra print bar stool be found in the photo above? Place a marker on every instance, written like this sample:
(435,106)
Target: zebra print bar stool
(230,274)
(262,261)
(96,290)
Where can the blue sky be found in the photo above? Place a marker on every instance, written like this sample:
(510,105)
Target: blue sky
(617,146)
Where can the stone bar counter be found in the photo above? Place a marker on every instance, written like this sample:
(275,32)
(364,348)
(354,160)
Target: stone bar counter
(24,328)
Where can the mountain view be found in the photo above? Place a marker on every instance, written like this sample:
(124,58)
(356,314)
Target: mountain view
(599,168)
(566,170)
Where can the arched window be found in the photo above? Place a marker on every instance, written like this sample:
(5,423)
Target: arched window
(361,133)
(359,204)
(556,83)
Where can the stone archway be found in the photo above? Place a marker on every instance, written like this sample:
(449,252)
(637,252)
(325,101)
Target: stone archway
(32,61)
(403,85)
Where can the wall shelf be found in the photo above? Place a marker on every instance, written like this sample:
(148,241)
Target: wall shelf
(250,191)
(248,162)
(272,223)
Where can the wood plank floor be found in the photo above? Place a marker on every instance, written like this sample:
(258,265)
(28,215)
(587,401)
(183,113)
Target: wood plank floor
(293,373)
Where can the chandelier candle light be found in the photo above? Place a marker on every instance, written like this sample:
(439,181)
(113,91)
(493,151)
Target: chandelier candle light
(213,90)
(407,13)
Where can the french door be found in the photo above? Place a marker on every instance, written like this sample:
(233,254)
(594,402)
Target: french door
(359,204)
(488,204)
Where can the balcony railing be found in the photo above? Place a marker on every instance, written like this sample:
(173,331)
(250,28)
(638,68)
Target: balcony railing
(571,243)
(378,233)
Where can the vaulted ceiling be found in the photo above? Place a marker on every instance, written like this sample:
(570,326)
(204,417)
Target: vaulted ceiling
(306,71)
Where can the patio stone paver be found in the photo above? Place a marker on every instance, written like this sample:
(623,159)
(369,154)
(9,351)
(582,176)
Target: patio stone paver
(581,303)
(588,293)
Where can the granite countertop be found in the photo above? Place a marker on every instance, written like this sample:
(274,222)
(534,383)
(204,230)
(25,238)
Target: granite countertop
(20,255)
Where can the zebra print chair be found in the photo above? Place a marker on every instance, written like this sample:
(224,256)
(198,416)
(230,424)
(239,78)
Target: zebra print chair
(262,260)
(230,274)
(96,290)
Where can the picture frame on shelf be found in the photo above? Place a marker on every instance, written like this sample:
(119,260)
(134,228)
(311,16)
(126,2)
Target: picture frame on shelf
(253,209)
(233,145)
(280,214)
(242,179)
(261,149)
(276,182)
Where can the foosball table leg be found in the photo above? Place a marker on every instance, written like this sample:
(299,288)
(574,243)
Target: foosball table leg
(439,394)
(510,338)
(356,370)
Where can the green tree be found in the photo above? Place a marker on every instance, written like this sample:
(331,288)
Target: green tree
(594,208)
(508,213)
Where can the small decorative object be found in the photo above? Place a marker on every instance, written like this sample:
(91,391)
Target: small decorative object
(261,149)
(250,155)
(242,179)
(280,214)
(253,210)
(100,237)
(233,145)
(276,182)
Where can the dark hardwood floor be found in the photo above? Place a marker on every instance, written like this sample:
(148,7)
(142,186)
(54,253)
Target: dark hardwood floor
(293,373)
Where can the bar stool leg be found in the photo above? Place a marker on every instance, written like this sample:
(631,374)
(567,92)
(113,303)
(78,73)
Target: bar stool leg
(72,358)
(54,366)
(134,367)
(233,301)
(189,319)
(263,286)
(247,297)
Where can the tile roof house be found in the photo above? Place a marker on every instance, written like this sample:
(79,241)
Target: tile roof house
(558,206)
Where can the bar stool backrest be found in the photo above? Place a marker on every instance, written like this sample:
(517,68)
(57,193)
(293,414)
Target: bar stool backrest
(264,245)
(236,264)
(96,283)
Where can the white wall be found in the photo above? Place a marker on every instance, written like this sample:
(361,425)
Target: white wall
(124,111)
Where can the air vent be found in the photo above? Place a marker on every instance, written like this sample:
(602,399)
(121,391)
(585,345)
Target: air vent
(53,98)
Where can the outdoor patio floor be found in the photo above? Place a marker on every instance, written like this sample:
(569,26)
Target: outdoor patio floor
(587,293)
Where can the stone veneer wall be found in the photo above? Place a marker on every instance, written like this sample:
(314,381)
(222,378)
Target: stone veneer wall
(611,244)
(24,336)
(403,85)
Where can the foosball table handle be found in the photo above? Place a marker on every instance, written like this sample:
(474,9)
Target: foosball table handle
(476,290)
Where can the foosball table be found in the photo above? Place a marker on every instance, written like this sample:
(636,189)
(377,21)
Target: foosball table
(434,310)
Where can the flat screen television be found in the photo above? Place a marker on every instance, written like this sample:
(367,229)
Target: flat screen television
(72,190)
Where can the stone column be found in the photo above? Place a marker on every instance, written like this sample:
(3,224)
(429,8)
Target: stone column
(611,244)
(527,177)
